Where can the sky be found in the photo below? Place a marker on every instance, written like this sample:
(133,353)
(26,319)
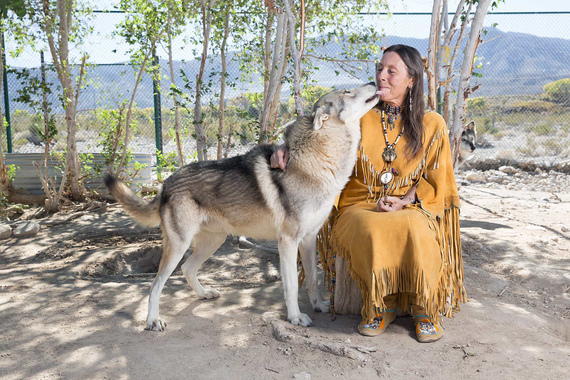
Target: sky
(100,46)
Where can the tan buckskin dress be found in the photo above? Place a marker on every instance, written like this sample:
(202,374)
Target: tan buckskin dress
(412,252)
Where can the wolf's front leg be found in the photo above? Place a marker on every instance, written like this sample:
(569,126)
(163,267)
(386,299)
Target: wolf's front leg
(308,250)
(288,260)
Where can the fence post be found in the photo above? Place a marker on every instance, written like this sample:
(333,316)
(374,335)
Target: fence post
(157,111)
(6,100)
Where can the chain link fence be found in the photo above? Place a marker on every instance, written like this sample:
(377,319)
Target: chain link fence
(521,110)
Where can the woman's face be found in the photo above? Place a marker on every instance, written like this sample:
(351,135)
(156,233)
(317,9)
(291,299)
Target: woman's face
(393,79)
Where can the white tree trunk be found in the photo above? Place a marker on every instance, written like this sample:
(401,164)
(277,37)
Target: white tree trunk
(297,54)
(277,65)
(432,50)
(223,82)
(201,147)
(450,61)
(463,89)
(174,95)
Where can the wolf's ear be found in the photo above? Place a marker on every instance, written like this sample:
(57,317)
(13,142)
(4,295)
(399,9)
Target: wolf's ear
(318,117)
(471,125)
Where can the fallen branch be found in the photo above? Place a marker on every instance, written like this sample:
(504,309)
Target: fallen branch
(244,243)
(351,351)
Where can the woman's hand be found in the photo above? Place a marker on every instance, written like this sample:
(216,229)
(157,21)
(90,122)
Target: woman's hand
(280,158)
(388,204)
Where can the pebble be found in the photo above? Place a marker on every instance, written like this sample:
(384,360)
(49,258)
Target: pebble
(507,169)
(28,228)
(302,375)
(475,177)
(5,231)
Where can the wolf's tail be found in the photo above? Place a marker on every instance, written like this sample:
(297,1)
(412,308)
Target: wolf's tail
(144,213)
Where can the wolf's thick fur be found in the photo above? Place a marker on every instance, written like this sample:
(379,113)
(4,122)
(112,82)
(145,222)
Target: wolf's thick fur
(467,144)
(205,201)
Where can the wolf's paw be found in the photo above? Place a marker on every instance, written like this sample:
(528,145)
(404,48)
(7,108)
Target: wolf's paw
(156,325)
(209,293)
(301,319)
(322,307)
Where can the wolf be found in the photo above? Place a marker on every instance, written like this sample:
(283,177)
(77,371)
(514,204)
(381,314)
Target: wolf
(467,144)
(204,202)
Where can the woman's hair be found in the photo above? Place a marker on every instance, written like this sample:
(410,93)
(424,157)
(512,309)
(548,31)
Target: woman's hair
(413,121)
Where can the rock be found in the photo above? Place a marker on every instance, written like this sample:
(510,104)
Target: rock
(5,231)
(475,177)
(26,229)
(544,199)
(507,169)
(302,375)
(563,229)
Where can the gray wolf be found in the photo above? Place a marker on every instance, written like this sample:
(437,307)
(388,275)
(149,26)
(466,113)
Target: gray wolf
(204,202)
(467,144)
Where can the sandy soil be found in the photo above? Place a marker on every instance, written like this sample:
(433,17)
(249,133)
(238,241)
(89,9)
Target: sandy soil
(73,301)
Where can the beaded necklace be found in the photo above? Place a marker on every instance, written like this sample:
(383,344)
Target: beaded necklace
(388,155)
(393,112)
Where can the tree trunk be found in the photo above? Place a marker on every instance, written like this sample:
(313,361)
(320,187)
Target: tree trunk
(297,54)
(277,65)
(201,147)
(175,95)
(223,82)
(463,89)
(451,64)
(131,103)
(431,60)
(4,182)
(60,56)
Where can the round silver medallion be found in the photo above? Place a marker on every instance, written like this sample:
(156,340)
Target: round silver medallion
(386,178)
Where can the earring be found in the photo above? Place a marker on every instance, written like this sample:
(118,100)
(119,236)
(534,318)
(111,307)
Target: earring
(410,100)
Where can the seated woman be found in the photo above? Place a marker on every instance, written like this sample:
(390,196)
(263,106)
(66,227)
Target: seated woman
(397,224)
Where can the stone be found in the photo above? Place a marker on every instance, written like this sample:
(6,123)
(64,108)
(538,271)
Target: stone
(302,375)
(5,231)
(475,177)
(26,229)
(507,169)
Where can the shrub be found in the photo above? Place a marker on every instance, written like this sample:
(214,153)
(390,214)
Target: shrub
(476,105)
(558,91)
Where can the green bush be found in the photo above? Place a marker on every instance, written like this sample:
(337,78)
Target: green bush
(476,105)
(558,91)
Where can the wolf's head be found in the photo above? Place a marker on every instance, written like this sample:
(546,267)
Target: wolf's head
(347,106)
(468,140)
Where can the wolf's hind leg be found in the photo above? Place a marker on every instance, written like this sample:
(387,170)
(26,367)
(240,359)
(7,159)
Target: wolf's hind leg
(173,249)
(308,250)
(205,245)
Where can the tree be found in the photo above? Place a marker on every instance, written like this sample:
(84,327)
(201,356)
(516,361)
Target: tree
(58,20)
(177,15)
(442,54)
(201,147)
(144,25)
(463,89)
(18,8)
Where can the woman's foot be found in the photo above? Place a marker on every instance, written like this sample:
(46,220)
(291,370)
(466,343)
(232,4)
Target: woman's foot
(378,324)
(426,330)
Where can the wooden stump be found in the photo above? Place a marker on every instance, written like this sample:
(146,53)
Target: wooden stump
(347,294)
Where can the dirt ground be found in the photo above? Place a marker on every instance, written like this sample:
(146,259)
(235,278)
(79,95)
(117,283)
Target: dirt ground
(73,300)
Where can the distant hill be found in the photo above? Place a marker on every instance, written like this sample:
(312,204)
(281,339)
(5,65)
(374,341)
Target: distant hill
(513,64)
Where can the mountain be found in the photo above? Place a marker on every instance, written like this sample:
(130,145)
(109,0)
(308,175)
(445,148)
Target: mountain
(512,64)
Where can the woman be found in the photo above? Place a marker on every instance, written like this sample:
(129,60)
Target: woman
(397,224)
